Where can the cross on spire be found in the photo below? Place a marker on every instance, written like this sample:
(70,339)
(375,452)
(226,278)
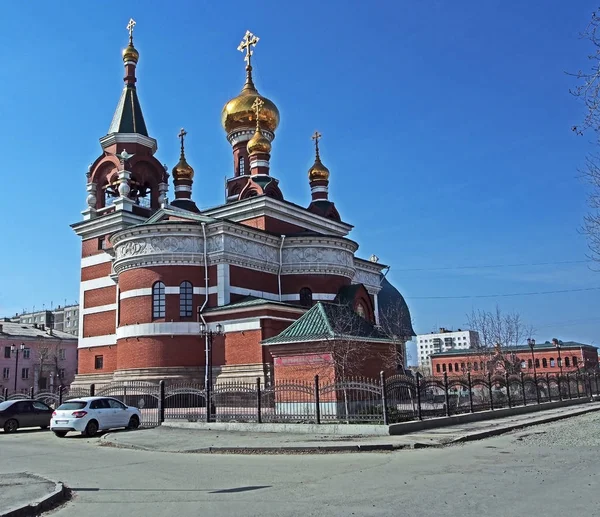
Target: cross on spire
(181,136)
(249,41)
(257,107)
(130,27)
(316,137)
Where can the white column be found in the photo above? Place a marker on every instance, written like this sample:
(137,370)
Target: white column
(223,285)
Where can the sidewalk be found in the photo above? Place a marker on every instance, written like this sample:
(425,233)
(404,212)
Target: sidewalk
(189,440)
(24,494)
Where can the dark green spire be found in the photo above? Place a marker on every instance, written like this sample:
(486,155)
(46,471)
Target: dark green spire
(128,116)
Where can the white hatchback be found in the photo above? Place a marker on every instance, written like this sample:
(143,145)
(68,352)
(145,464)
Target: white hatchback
(88,415)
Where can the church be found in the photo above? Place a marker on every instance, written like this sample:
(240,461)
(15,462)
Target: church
(242,290)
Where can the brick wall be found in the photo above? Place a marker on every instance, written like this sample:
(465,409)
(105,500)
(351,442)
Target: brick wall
(87,359)
(160,351)
(171,276)
(96,271)
(99,324)
(98,297)
(243,347)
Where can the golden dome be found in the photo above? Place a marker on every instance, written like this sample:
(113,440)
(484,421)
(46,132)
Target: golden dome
(318,171)
(238,112)
(183,170)
(259,143)
(131,54)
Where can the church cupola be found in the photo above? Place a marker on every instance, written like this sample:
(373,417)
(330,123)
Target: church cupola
(250,121)
(318,176)
(183,176)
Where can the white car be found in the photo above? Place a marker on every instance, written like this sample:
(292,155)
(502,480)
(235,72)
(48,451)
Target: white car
(88,415)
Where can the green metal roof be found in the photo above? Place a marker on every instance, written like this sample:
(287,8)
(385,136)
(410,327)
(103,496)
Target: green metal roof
(521,348)
(326,321)
(128,116)
(251,301)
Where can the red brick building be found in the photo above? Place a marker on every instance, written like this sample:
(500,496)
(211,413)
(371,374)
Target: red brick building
(547,357)
(153,270)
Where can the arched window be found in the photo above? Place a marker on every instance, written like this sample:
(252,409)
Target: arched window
(574,362)
(437,368)
(306,297)
(537,362)
(552,362)
(242,166)
(449,367)
(544,362)
(185,299)
(360,310)
(567,362)
(444,367)
(529,363)
(476,366)
(456,367)
(158,300)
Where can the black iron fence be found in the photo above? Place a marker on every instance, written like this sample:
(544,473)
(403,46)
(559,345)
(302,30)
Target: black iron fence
(358,400)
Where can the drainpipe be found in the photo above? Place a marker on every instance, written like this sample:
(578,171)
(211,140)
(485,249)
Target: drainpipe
(280,265)
(206,358)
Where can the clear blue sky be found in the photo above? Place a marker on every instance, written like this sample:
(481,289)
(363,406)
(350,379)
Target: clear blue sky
(446,130)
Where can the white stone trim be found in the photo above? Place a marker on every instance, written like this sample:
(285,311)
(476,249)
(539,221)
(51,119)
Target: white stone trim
(223,287)
(88,342)
(128,138)
(94,260)
(171,290)
(147,291)
(259,163)
(100,308)
(98,283)
(376,308)
(107,224)
(134,293)
(183,328)
(183,188)
(319,189)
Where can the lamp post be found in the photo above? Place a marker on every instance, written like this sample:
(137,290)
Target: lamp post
(557,345)
(208,341)
(531,343)
(15,350)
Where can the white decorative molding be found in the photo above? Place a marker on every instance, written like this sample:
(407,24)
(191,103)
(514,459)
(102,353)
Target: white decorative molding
(88,342)
(319,189)
(134,293)
(243,135)
(100,308)
(128,138)
(147,291)
(107,224)
(94,260)
(184,328)
(259,163)
(97,283)
(223,289)
(183,188)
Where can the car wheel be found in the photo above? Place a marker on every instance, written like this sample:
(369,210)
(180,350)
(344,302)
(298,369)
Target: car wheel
(134,422)
(60,434)
(10,426)
(91,429)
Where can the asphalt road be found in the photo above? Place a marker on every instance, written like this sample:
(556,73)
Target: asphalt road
(550,470)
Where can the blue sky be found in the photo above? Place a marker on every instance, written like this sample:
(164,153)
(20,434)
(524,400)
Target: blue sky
(446,127)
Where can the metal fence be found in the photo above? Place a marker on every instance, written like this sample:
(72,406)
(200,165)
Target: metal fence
(356,400)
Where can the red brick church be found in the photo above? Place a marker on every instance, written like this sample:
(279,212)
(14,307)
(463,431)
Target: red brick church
(155,272)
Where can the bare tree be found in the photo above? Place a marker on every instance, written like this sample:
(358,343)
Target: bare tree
(46,362)
(588,91)
(392,324)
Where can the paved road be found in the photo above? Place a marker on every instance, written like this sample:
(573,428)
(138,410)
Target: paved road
(550,471)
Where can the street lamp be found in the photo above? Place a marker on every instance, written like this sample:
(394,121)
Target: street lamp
(208,341)
(531,343)
(15,350)
(557,345)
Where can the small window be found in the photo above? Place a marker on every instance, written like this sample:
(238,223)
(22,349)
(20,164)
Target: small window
(158,300)
(476,366)
(456,367)
(544,363)
(306,297)
(185,299)
(6,373)
(552,362)
(26,353)
(25,373)
(61,373)
(567,362)
(6,352)
(242,166)
(574,362)
(99,362)
(529,363)
(437,368)
(444,367)
(61,354)
(100,243)
(537,363)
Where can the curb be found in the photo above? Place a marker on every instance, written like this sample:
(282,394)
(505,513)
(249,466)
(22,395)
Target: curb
(61,494)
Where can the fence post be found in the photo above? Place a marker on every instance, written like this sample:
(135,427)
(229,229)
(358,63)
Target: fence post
(596,378)
(577,383)
(523,389)
(5,393)
(258,401)
(507,380)
(418,385)
(31,392)
(470,383)
(548,387)
(161,401)
(60,395)
(489,376)
(124,394)
(447,396)
(560,396)
(92,390)
(317,400)
(589,381)
(383,397)
(569,386)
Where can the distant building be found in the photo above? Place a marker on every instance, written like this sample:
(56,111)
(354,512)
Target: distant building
(33,355)
(64,319)
(442,341)
(569,357)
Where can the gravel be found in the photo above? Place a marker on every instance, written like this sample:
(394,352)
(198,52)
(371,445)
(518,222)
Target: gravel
(576,432)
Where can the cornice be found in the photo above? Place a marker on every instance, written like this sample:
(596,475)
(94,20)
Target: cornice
(106,224)
(126,138)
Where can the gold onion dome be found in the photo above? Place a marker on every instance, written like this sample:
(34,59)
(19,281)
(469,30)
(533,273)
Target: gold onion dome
(183,170)
(238,112)
(259,144)
(318,171)
(131,54)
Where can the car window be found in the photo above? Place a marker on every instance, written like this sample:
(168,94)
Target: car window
(99,404)
(6,405)
(22,407)
(40,405)
(115,404)
(72,405)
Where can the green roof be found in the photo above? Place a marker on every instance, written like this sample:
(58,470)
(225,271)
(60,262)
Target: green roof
(326,321)
(520,348)
(128,116)
(251,301)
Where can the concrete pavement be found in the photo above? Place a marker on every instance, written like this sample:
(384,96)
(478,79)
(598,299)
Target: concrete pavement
(23,494)
(191,438)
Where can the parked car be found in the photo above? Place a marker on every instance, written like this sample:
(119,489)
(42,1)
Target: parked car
(15,414)
(88,415)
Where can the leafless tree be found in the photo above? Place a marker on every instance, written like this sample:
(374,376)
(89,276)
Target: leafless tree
(46,362)
(392,320)
(588,91)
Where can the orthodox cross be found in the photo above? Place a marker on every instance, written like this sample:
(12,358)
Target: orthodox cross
(249,41)
(316,137)
(130,27)
(181,136)
(257,107)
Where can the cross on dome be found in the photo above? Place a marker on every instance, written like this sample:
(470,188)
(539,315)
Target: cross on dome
(130,27)
(249,40)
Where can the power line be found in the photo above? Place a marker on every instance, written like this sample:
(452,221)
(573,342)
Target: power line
(489,266)
(500,295)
